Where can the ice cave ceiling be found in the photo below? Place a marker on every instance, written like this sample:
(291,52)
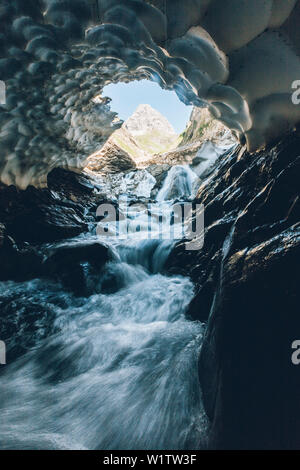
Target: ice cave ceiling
(238,57)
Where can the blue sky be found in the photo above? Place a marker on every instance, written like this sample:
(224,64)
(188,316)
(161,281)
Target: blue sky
(127,96)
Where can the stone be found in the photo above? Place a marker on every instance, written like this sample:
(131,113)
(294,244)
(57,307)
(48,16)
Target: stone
(110,159)
(62,210)
(76,265)
(159,172)
(246,278)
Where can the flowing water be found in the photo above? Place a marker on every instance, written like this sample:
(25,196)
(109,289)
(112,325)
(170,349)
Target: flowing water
(115,370)
(178,183)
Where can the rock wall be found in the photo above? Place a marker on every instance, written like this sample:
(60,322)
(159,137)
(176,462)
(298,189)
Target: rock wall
(202,127)
(247,277)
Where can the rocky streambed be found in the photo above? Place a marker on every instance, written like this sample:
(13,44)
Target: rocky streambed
(226,335)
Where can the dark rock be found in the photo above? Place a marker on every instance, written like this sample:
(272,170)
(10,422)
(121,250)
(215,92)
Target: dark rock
(76,266)
(246,279)
(3,236)
(202,301)
(36,216)
(71,186)
(18,263)
(159,172)
(110,159)
(34,320)
(251,387)
(62,210)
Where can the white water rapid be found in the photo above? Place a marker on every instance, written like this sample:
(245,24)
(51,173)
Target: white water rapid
(115,370)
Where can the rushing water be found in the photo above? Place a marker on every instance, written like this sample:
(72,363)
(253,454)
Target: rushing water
(178,183)
(116,370)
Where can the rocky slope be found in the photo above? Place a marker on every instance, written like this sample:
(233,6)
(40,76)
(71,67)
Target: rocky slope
(109,160)
(145,133)
(203,127)
(200,130)
(246,279)
(127,143)
(151,130)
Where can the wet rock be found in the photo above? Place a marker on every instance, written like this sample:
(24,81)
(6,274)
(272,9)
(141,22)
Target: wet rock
(132,184)
(159,172)
(62,210)
(2,235)
(250,384)
(246,279)
(71,186)
(77,265)
(18,263)
(36,216)
(34,320)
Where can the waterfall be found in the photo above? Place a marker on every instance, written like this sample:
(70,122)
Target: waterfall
(178,184)
(116,370)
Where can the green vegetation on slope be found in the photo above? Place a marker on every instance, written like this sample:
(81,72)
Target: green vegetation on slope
(155,142)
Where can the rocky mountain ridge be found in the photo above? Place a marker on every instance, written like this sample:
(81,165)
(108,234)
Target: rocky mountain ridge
(203,127)
(147,138)
(146,119)
(145,133)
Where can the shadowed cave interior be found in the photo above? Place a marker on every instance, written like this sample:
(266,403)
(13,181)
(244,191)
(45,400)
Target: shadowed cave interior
(187,349)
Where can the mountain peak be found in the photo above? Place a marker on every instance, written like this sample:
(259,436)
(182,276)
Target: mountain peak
(145,133)
(145,107)
(146,119)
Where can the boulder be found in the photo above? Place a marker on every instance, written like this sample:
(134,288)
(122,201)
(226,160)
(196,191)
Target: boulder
(77,266)
(62,210)
(110,159)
